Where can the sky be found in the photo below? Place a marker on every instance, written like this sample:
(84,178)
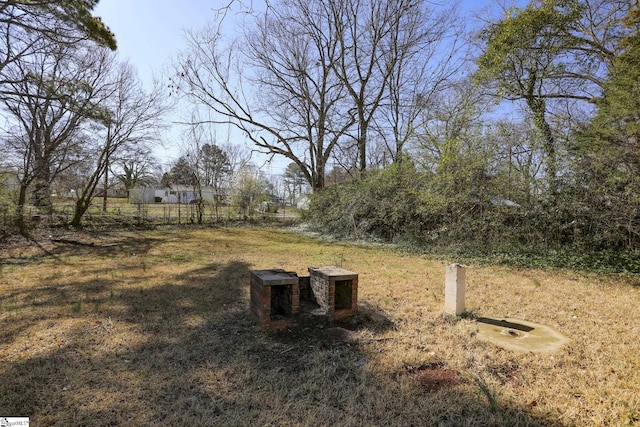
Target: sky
(151,32)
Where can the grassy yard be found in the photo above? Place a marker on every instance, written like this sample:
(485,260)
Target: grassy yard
(153,328)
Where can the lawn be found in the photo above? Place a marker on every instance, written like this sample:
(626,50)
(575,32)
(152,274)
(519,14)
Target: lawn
(154,328)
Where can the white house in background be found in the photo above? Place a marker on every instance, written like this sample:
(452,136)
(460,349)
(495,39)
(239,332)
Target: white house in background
(174,194)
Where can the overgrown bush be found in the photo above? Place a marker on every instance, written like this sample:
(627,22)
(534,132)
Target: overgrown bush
(403,204)
(383,205)
(7,211)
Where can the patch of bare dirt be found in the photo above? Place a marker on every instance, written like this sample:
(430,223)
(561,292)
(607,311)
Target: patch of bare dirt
(434,377)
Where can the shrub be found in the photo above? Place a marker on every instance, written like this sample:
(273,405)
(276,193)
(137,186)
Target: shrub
(7,211)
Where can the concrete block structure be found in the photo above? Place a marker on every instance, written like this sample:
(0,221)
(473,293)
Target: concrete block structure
(454,289)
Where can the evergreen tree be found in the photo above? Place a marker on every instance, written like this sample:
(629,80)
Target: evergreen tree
(183,172)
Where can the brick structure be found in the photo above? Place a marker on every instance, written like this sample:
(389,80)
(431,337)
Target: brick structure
(335,290)
(275,297)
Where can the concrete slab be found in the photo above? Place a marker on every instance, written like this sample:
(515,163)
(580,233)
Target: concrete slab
(519,335)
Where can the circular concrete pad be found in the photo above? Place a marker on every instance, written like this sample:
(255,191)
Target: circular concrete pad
(519,335)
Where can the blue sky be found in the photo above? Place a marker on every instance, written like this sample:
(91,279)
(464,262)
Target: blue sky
(151,32)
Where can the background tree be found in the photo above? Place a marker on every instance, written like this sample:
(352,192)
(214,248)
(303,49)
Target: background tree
(379,41)
(518,160)
(57,18)
(48,112)
(37,27)
(237,155)
(166,179)
(427,61)
(322,74)
(619,111)
(183,171)
(207,164)
(294,182)
(549,54)
(249,190)
(132,118)
(8,196)
(607,152)
(215,165)
(521,57)
(289,53)
(136,168)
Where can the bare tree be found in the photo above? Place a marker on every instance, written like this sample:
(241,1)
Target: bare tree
(50,104)
(238,155)
(385,47)
(204,163)
(428,57)
(289,54)
(190,168)
(308,77)
(449,139)
(518,157)
(135,167)
(293,182)
(131,117)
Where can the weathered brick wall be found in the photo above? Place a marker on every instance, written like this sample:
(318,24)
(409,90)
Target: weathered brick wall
(274,289)
(276,294)
(320,291)
(260,302)
(323,285)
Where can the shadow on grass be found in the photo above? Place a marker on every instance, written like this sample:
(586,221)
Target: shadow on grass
(60,248)
(186,352)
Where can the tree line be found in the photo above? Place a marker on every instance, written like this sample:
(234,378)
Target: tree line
(404,121)
(77,119)
(226,170)
(520,132)
(70,107)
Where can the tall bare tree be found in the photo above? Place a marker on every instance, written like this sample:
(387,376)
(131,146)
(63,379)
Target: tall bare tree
(384,45)
(429,57)
(289,54)
(53,96)
(131,117)
(201,164)
(307,76)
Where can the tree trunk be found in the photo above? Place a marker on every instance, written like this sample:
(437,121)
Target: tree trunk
(22,198)
(362,140)
(78,213)
(537,106)
(105,188)
(42,197)
(362,153)
(318,178)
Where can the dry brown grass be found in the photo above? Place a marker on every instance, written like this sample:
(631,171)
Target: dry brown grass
(155,329)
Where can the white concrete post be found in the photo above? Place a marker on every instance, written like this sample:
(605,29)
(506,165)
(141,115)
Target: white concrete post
(454,289)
